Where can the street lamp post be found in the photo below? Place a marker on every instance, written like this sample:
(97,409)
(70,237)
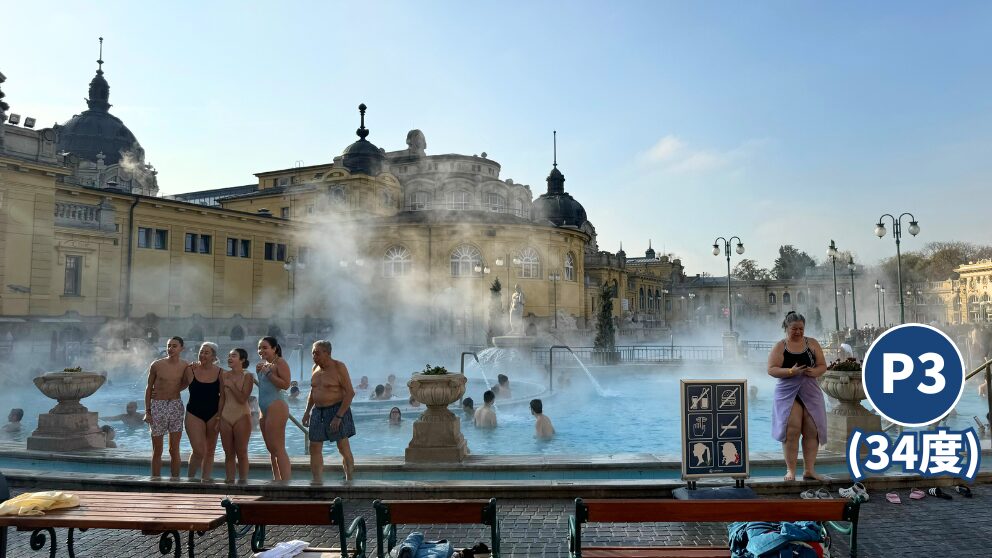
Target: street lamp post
(878,303)
(505,261)
(292,265)
(885,320)
(726,250)
(832,253)
(665,304)
(854,302)
(914,229)
(555,277)
(692,307)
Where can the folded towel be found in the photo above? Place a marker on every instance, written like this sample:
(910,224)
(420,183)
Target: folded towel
(410,545)
(284,549)
(37,503)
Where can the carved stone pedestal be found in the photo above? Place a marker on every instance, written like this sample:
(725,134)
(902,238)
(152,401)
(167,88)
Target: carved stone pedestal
(69,425)
(437,434)
(847,389)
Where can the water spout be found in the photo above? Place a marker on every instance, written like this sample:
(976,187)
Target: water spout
(482,369)
(599,388)
(475,356)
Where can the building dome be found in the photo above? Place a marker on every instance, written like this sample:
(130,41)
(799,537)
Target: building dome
(96,130)
(362,157)
(556,205)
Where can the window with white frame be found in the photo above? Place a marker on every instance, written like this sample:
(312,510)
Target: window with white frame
(419,201)
(771,298)
(786,298)
(459,199)
(397,262)
(570,267)
(464,260)
(530,264)
(495,202)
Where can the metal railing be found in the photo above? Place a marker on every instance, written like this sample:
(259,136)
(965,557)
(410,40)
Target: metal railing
(987,368)
(641,354)
(306,434)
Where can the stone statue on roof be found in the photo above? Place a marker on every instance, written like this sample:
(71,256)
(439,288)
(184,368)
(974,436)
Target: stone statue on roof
(416,143)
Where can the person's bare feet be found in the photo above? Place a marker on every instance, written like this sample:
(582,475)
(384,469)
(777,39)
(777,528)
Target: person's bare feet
(811,475)
(790,476)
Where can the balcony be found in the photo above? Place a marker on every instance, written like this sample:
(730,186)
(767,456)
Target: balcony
(458,206)
(84,216)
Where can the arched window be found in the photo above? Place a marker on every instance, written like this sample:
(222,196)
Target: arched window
(657,300)
(459,199)
(419,201)
(519,206)
(464,260)
(640,299)
(801,298)
(397,262)
(338,195)
(786,298)
(386,198)
(530,264)
(771,298)
(570,267)
(495,202)
(650,300)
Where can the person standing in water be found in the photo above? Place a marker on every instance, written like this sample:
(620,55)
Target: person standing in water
(235,416)
(203,410)
(164,409)
(273,379)
(798,408)
(329,401)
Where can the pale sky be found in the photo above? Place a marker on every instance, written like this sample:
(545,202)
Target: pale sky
(779,122)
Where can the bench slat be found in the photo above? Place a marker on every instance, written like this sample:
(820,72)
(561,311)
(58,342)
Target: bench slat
(285,513)
(428,512)
(672,511)
(656,552)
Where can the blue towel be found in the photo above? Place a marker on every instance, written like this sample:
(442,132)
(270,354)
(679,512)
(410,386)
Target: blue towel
(414,546)
(762,539)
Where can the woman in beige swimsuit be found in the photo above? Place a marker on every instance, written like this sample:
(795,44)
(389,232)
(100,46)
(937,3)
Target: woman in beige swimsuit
(235,418)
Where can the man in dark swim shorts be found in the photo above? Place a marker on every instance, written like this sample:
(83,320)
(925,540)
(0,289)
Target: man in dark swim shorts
(328,413)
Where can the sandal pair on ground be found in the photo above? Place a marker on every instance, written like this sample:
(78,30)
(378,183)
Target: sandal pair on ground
(936,492)
(819,494)
(856,493)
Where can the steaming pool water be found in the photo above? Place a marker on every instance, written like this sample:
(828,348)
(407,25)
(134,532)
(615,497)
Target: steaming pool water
(640,414)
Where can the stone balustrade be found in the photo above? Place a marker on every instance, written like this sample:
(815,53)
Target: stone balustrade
(85,216)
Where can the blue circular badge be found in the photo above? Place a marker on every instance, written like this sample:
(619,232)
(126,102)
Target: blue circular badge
(913,374)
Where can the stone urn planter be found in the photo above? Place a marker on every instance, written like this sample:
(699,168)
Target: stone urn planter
(847,388)
(437,434)
(69,425)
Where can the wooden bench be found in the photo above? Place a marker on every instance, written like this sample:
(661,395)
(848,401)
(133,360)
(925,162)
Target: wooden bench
(389,514)
(667,511)
(254,516)
(152,513)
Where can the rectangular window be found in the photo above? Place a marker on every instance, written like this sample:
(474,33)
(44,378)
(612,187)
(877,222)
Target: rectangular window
(310,209)
(245,251)
(73,275)
(161,239)
(270,251)
(284,213)
(232,246)
(204,245)
(144,237)
(191,241)
(280,252)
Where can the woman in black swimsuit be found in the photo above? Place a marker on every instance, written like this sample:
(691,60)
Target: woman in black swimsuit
(202,410)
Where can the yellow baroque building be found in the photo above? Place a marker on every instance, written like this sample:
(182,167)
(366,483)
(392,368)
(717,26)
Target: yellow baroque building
(90,250)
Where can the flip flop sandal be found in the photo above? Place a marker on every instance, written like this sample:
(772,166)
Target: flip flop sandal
(849,493)
(823,494)
(963,490)
(808,495)
(893,497)
(936,491)
(860,489)
(917,494)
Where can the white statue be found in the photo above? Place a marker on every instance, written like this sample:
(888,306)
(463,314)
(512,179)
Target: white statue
(517,311)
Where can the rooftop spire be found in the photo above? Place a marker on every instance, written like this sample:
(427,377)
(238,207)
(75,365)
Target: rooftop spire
(556,180)
(555,139)
(99,88)
(362,130)
(99,61)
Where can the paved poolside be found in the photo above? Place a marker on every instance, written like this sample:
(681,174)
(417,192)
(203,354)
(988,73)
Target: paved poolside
(538,528)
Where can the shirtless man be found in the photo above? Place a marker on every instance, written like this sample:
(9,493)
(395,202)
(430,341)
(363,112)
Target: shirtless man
(164,409)
(330,398)
(131,417)
(485,416)
(542,426)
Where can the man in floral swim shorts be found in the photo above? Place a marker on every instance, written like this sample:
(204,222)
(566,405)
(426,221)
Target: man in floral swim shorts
(164,410)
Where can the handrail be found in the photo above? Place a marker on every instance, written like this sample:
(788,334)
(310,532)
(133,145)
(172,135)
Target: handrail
(975,372)
(306,434)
